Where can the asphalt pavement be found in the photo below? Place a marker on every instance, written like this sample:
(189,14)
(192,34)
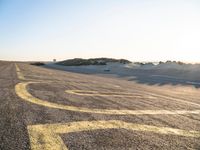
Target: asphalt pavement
(48,109)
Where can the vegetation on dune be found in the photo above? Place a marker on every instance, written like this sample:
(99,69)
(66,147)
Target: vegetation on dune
(92,61)
(169,61)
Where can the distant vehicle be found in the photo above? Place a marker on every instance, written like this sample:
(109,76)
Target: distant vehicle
(37,63)
(106,70)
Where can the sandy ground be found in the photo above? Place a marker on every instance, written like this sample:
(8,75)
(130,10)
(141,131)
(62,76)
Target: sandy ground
(50,109)
(168,73)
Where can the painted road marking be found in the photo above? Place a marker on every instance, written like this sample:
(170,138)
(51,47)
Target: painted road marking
(17,68)
(19,74)
(150,95)
(21,91)
(47,137)
(103,94)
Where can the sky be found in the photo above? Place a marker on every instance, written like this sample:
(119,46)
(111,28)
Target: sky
(138,30)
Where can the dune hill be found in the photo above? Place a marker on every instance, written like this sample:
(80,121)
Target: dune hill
(150,73)
(92,61)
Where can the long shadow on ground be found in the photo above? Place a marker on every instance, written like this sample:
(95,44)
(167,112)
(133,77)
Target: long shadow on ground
(149,77)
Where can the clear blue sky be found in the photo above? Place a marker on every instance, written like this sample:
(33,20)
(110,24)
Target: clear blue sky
(139,30)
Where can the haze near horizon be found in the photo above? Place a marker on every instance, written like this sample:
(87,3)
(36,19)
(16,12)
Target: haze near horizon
(135,30)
